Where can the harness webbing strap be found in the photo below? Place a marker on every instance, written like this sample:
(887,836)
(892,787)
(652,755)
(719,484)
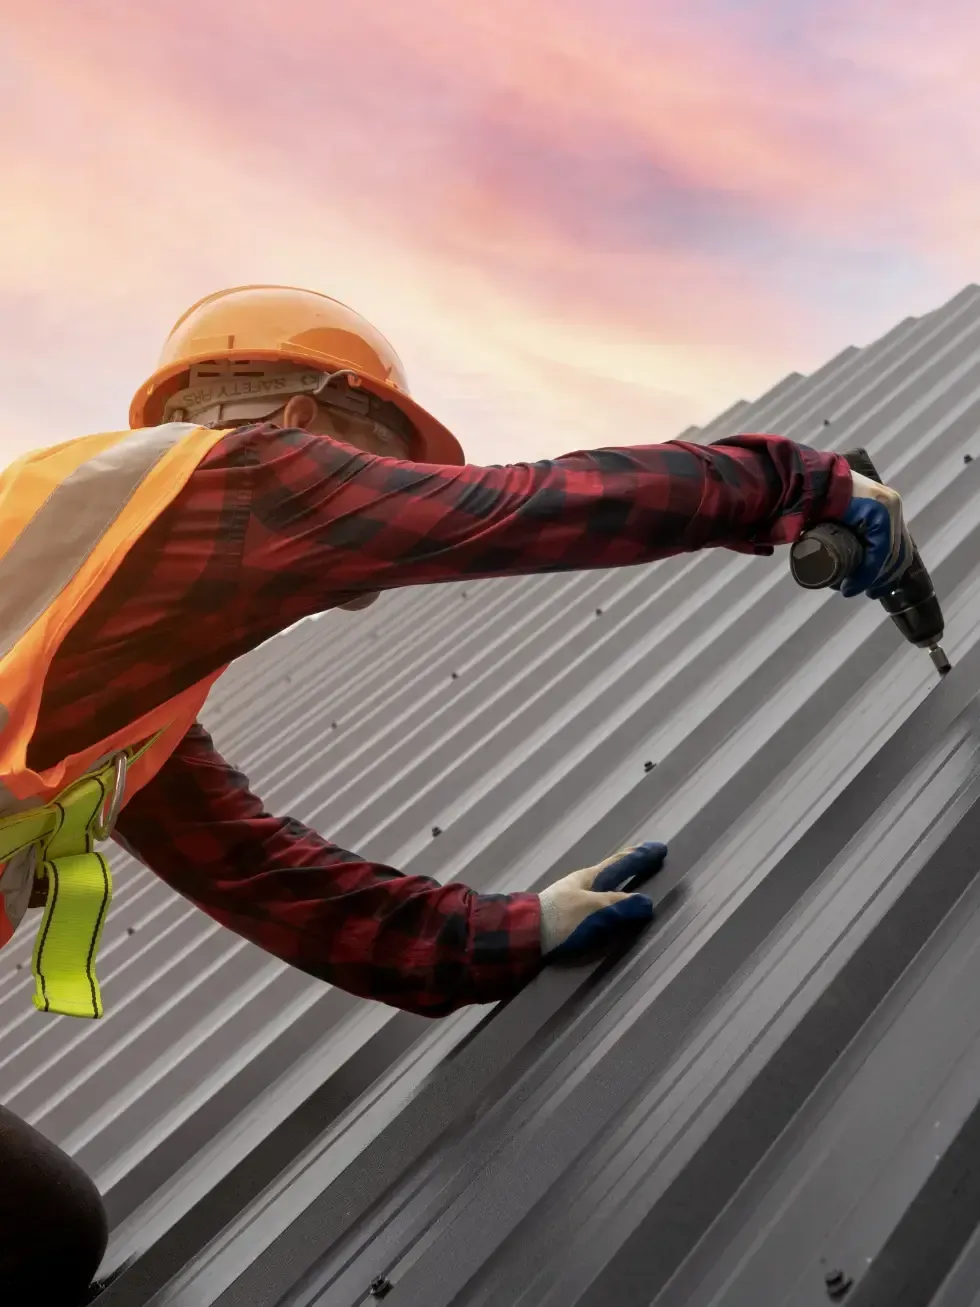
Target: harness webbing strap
(79,888)
(79,894)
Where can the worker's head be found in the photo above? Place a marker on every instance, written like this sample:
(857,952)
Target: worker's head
(226,393)
(296,358)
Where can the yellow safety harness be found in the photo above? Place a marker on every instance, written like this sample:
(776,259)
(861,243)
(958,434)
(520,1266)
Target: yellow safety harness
(63,834)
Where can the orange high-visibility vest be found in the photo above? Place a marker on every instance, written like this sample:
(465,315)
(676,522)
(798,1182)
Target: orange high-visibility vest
(68,517)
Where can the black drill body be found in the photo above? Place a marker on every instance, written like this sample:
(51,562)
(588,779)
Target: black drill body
(827,553)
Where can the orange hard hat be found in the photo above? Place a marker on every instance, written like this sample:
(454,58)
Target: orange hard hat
(288,325)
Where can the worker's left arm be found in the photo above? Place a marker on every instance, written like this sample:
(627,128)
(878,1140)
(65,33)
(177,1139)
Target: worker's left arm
(404,940)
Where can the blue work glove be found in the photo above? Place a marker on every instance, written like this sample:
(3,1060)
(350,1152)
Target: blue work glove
(587,910)
(875,515)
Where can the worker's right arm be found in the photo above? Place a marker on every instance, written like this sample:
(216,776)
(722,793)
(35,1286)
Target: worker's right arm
(326,518)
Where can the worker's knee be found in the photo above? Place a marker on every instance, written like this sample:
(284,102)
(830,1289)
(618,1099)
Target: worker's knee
(53,1228)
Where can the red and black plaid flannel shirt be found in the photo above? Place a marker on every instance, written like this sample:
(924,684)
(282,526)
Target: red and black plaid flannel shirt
(278,524)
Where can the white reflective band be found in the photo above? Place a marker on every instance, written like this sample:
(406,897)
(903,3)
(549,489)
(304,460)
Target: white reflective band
(70,523)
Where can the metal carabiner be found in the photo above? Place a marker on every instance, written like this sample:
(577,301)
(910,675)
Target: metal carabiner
(104,828)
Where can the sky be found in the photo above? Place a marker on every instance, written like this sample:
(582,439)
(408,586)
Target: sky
(580,222)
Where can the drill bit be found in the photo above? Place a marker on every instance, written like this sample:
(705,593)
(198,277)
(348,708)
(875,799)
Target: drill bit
(939,659)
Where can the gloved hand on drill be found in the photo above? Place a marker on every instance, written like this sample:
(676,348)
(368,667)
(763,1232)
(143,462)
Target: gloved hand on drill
(875,514)
(587,910)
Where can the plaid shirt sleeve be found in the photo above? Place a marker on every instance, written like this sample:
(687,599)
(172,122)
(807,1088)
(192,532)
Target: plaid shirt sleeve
(278,524)
(406,941)
(357,522)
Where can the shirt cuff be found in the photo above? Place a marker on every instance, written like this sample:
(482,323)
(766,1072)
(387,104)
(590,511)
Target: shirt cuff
(840,491)
(506,949)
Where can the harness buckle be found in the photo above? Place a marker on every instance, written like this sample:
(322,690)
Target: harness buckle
(102,827)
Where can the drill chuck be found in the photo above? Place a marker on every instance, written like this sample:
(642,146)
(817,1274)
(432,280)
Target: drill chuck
(827,553)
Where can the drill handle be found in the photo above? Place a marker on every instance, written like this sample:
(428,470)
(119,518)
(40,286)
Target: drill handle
(827,553)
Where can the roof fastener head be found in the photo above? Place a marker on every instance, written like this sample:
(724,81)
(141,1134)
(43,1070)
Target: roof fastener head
(380,1285)
(649,766)
(838,1284)
(967,458)
(436,830)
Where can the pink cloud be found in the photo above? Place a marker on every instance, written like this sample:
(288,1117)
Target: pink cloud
(704,192)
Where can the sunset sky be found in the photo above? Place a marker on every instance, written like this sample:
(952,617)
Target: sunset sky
(579,222)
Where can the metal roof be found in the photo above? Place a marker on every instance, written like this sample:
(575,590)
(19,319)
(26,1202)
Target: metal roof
(780,1080)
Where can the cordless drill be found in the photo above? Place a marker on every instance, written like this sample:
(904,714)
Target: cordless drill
(827,553)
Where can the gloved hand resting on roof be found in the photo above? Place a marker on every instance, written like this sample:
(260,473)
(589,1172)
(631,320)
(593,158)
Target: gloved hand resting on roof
(587,910)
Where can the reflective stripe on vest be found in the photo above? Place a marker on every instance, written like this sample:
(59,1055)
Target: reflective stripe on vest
(68,516)
(70,523)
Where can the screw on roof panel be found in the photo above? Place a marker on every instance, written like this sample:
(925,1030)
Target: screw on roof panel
(380,1286)
(967,458)
(436,831)
(649,766)
(838,1284)
(598,612)
(454,676)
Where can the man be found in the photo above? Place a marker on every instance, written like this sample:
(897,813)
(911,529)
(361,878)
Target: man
(276,467)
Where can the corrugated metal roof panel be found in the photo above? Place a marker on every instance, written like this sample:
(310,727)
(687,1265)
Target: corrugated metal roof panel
(711,1113)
